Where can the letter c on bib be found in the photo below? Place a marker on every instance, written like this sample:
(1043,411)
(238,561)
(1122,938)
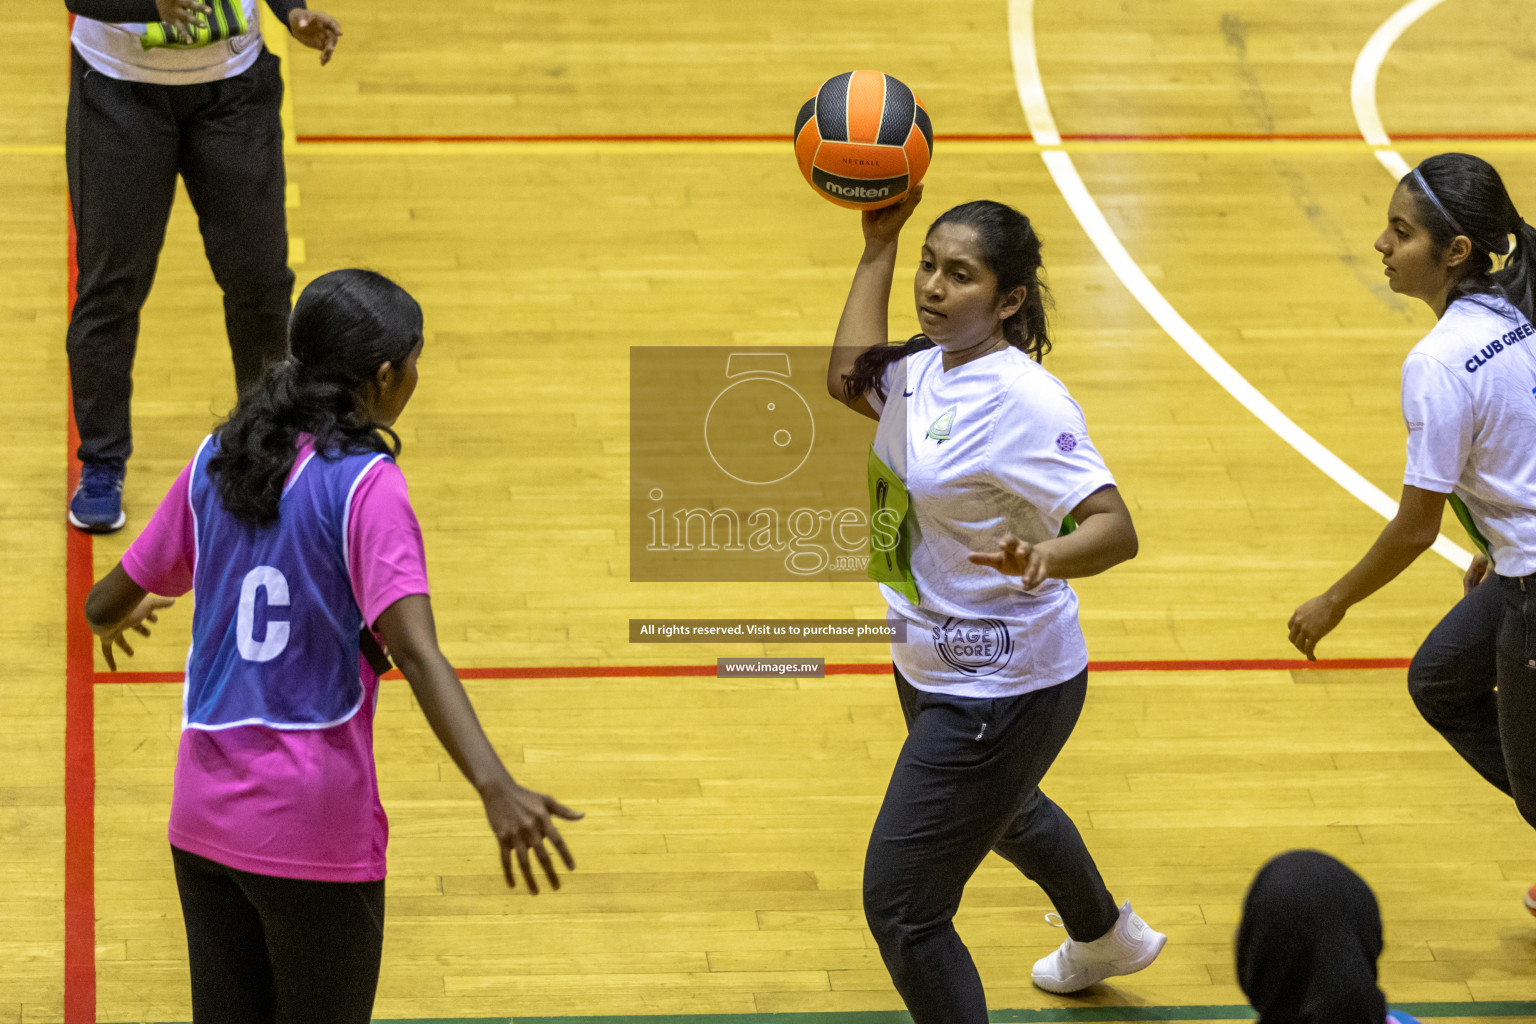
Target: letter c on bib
(276,638)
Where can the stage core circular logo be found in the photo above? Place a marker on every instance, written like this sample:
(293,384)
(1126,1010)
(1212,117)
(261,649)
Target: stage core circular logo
(975,647)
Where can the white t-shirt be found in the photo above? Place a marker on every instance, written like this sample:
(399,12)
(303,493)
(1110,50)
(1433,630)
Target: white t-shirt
(991,447)
(1469,400)
(114,49)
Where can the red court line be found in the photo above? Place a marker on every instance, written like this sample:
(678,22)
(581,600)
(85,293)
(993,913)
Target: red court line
(542,138)
(862,668)
(79,741)
(1278,137)
(79,722)
(957,137)
(79,725)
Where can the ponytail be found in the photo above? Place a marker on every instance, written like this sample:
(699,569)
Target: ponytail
(869,368)
(345,325)
(1010,249)
(1027,329)
(1517,279)
(1460,194)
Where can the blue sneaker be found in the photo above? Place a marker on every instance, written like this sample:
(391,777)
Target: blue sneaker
(97,506)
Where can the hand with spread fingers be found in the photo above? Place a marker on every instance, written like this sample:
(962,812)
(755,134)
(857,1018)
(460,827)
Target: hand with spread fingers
(316,30)
(143,612)
(523,821)
(1014,557)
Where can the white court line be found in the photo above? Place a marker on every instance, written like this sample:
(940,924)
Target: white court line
(1026,70)
(1362,83)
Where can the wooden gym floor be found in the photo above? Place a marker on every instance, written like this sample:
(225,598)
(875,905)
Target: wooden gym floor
(720,860)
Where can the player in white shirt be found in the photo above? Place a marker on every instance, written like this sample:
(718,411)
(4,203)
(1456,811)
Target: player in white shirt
(1469,402)
(979,457)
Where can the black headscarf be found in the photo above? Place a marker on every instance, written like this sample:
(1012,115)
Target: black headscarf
(1308,943)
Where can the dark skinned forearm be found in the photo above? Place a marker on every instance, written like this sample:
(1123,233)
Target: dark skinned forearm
(111,600)
(1105,537)
(411,635)
(447,709)
(865,320)
(1101,541)
(1400,543)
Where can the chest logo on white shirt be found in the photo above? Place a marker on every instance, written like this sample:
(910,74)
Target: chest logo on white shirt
(939,429)
(973,647)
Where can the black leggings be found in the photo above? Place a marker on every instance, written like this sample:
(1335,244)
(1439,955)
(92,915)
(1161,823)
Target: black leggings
(267,950)
(967,782)
(1474,680)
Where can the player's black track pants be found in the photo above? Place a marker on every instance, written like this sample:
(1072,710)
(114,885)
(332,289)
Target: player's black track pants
(125,142)
(967,781)
(1474,680)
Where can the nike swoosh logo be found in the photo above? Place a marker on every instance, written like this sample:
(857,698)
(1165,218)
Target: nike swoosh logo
(907,394)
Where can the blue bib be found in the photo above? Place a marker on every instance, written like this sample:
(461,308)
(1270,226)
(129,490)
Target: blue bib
(275,626)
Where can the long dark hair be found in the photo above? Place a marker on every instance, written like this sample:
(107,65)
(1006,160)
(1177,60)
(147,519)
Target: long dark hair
(1469,198)
(345,325)
(1010,249)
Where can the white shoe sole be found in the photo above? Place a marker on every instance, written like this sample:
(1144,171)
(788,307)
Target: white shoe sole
(1114,970)
(122,517)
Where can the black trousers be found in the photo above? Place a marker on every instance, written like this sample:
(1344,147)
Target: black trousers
(967,781)
(267,950)
(1474,680)
(125,142)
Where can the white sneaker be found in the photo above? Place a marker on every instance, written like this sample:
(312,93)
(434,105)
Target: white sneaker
(1129,947)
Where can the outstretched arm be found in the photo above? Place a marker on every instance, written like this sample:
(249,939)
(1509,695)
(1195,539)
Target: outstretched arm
(1410,533)
(521,818)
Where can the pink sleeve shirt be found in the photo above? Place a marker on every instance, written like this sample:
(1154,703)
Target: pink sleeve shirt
(290,803)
